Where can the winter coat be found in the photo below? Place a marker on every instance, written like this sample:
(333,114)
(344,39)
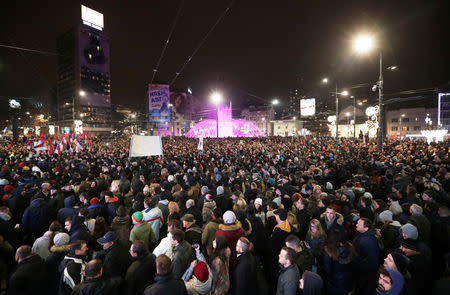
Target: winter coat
(121,226)
(278,237)
(41,245)
(304,260)
(367,250)
(197,215)
(53,260)
(29,277)
(221,279)
(140,274)
(116,261)
(96,210)
(207,211)
(71,269)
(182,257)
(288,280)
(154,217)
(337,223)
(194,235)
(164,247)
(316,245)
(68,209)
(338,273)
(223,202)
(303,219)
(193,285)
(166,284)
(421,275)
(100,285)
(37,218)
(232,232)
(245,274)
(79,231)
(390,235)
(111,208)
(208,235)
(142,232)
(423,226)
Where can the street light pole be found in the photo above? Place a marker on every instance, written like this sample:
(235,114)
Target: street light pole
(337,113)
(354,117)
(380,106)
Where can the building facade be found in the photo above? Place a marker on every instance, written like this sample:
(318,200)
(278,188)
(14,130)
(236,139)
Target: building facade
(262,117)
(404,121)
(83,78)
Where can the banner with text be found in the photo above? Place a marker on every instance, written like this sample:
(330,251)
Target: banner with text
(158,103)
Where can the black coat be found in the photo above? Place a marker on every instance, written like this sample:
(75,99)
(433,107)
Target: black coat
(37,218)
(245,282)
(116,261)
(29,277)
(166,285)
(79,231)
(99,286)
(140,274)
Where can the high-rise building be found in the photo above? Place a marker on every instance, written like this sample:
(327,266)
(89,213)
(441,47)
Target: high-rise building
(84,80)
(292,107)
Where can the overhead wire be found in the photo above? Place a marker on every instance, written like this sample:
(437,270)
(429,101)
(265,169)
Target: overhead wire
(201,42)
(175,21)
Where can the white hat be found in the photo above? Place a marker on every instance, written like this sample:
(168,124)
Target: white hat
(258,201)
(4,181)
(229,217)
(61,239)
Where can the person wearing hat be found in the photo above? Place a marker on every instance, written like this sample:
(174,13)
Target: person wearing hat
(95,208)
(232,230)
(210,230)
(222,201)
(419,267)
(397,261)
(259,211)
(208,206)
(390,282)
(141,229)
(192,209)
(58,251)
(115,256)
(198,277)
(192,230)
(390,230)
(409,231)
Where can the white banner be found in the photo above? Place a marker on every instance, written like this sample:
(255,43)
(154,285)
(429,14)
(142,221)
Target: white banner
(307,107)
(143,146)
(200,144)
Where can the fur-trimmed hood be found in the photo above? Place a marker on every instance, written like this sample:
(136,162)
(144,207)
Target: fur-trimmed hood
(230,227)
(62,248)
(339,218)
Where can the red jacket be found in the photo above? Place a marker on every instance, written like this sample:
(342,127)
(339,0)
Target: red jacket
(232,232)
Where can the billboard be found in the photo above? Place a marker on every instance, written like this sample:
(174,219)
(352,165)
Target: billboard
(91,17)
(307,107)
(94,58)
(158,103)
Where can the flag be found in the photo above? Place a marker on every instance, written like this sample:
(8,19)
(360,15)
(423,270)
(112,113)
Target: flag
(89,143)
(200,144)
(50,150)
(40,142)
(29,145)
(78,145)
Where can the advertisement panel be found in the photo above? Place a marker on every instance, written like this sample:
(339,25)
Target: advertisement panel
(158,103)
(307,107)
(94,59)
(91,17)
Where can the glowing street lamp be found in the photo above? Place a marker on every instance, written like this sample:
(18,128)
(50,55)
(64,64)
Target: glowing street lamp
(82,93)
(363,44)
(216,99)
(325,80)
(275,101)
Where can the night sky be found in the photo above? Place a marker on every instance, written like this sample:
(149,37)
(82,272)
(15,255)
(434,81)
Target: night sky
(260,48)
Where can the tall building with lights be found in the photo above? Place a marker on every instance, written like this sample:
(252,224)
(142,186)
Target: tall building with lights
(83,75)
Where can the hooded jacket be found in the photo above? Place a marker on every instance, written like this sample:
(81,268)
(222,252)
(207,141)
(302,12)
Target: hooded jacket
(37,218)
(68,209)
(312,283)
(79,231)
(278,237)
(396,283)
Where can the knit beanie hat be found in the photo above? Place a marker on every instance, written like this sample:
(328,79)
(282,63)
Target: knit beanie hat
(8,188)
(220,190)
(411,231)
(204,189)
(401,261)
(386,215)
(410,244)
(94,201)
(201,271)
(229,217)
(61,239)
(137,216)
(258,201)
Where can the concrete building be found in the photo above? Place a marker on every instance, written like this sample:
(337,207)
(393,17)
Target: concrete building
(83,76)
(406,121)
(287,127)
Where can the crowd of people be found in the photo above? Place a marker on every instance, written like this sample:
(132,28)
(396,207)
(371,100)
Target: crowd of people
(242,216)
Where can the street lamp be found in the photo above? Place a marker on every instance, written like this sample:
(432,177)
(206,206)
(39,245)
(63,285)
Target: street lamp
(216,99)
(363,44)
